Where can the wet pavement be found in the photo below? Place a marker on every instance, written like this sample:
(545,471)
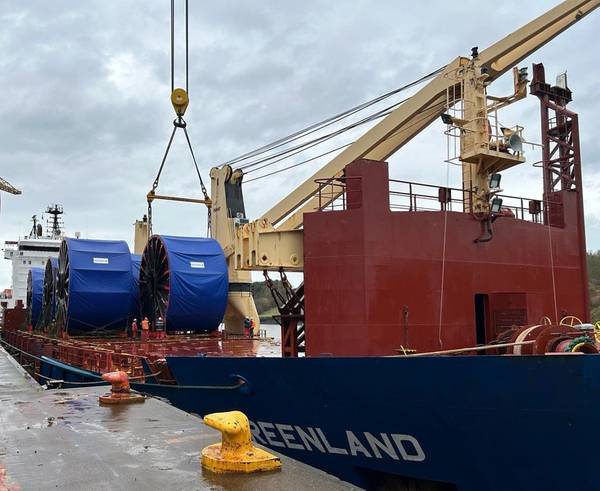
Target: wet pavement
(63,439)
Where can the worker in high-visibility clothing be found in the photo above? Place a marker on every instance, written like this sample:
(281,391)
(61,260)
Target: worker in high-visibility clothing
(133,333)
(160,327)
(145,328)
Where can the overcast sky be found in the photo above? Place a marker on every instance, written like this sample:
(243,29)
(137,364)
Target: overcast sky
(85,112)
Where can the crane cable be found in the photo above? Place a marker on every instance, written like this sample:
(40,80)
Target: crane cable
(327,122)
(321,139)
(382,113)
(180,101)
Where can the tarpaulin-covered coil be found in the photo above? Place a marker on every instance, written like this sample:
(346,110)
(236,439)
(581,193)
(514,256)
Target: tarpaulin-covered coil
(184,280)
(35,288)
(49,293)
(94,285)
(136,262)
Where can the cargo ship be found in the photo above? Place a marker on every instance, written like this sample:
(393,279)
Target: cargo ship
(441,337)
(28,256)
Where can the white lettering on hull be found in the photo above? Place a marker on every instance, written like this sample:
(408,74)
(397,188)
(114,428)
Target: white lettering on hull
(394,446)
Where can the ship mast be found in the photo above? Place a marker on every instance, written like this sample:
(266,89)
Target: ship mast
(55,224)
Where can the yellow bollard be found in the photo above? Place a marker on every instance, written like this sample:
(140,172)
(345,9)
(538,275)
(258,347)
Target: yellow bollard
(235,453)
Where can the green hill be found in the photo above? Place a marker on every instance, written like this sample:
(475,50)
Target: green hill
(264,300)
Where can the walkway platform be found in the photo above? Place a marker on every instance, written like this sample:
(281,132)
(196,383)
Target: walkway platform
(63,439)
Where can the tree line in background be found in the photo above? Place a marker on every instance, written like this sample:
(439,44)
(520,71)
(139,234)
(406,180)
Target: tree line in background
(593,259)
(266,305)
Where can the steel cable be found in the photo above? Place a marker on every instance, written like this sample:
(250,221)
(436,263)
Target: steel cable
(327,122)
(332,151)
(312,143)
(299,163)
(172,45)
(179,122)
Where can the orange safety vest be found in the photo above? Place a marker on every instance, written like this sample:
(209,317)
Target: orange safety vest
(145,325)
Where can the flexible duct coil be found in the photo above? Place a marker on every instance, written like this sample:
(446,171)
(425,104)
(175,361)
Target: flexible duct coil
(185,281)
(94,287)
(49,293)
(35,287)
(136,262)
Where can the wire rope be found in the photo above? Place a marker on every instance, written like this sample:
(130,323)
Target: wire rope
(328,121)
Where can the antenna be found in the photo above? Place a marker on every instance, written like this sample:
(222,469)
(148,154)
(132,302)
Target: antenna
(54,224)
(33,232)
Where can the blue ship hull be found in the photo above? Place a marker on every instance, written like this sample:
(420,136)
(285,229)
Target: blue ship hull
(476,423)
(468,423)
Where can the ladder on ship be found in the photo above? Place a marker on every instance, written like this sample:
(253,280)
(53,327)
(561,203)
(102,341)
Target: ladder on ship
(290,305)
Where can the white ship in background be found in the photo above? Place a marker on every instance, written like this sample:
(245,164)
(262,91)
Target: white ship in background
(32,251)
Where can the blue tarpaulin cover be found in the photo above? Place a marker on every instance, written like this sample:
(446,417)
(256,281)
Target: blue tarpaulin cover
(136,262)
(199,284)
(100,285)
(54,263)
(36,280)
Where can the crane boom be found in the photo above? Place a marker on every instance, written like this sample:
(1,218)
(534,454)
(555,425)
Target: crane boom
(427,104)
(8,187)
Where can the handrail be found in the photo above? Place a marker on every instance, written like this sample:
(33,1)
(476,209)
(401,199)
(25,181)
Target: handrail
(520,208)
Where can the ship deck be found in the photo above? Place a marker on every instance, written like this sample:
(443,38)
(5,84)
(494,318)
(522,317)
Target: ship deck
(105,354)
(64,439)
(184,346)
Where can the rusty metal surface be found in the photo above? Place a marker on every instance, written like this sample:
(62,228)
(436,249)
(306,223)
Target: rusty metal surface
(66,440)
(120,353)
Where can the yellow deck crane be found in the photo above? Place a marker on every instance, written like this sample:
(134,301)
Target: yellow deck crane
(275,240)
(8,187)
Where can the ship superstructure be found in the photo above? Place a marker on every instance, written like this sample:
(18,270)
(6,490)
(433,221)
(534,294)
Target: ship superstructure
(42,242)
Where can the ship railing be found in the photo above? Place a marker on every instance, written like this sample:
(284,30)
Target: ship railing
(331,193)
(417,196)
